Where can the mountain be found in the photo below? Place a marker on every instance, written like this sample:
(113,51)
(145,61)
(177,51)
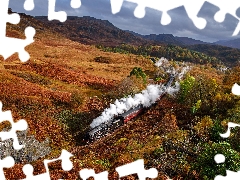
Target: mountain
(173,40)
(17,31)
(189,41)
(235,43)
(92,31)
(169,39)
(164,38)
(134,33)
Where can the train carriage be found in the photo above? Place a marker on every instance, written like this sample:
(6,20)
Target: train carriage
(120,120)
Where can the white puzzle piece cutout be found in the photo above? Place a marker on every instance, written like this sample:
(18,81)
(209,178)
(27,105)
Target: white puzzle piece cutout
(18,126)
(8,45)
(5,163)
(192,8)
(66,165)
(137,167)
(52,14)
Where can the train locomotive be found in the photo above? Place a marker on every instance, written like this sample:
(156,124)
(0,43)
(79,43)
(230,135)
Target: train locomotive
(110,126)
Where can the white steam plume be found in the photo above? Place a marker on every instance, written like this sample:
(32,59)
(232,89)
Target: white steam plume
(167,67)
(147,97)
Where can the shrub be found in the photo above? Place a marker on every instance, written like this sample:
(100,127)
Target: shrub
(185,87)
(208,168)
(198,93)
(138,72)
(102,59)
(74,122)
(105,163)
(33,78)
(215,131)
(129,86)
(196,106)
(203,127)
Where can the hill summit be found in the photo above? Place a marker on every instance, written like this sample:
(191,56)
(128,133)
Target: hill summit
(92,31)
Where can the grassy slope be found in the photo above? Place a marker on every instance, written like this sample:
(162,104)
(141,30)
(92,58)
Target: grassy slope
(56,93)
(142,137)
(60,77)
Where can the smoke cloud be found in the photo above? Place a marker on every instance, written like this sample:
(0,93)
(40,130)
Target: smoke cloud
(147,97)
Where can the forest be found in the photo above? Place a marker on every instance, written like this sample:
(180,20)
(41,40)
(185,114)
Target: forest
(201,53)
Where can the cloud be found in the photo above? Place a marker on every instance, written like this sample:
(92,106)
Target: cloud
(181,25)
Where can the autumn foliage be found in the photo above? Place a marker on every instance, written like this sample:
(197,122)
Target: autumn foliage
(65,85)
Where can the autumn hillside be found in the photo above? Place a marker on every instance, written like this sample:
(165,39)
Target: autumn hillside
(92,31)
(66,84)
(102,33)
(60,76)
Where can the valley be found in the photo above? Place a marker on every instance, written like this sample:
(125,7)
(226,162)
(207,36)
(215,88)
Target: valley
(80,67)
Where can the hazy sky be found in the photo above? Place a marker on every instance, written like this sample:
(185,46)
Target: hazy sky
(181,25)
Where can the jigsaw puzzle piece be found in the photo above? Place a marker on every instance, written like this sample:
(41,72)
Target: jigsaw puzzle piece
(75,4)
(157,5)
(219,158)
(53,15)
(5,17)
(28,171)
(116,5)
(87,173)
(237,30)
(28,5)
(66,162)
(230,125)
(229,175)
(66,166)
(61,15)
(18,126)
(12,45)
(137,167)
(192,8)
(13,18)
(227,7)
(6,163)
(9,46)
(139,12)
(236,89)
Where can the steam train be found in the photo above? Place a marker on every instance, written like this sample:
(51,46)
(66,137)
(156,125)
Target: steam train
(110,126)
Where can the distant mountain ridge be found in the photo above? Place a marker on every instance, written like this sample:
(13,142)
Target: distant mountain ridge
(190,41)
(92,31)
(170,39)
(234,43)
(164,38)
(186,41)
(89,30)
